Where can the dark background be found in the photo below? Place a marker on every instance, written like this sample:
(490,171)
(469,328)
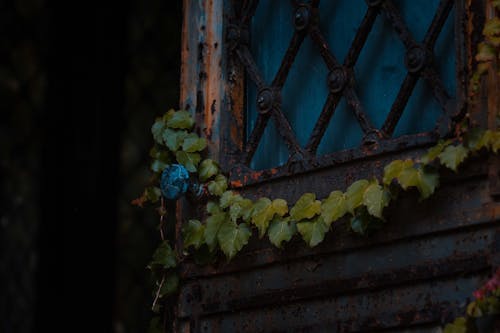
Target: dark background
(80,86)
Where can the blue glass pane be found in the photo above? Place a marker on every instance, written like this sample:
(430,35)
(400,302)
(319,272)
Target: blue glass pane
(379,73)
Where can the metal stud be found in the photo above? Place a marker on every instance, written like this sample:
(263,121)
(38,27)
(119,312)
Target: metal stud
(265,100)
(301,18)
(337,79)
(416,58)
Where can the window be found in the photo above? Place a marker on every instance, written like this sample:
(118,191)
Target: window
(338,80)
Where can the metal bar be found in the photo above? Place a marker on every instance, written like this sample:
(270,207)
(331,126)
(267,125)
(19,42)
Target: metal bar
(360,38)
(399,104)
(322,122)
(359,113)
(398,24)
(438,89)
(286,131)
(437,23)
(286,63)
(249,8)
(322,44)
(250,66)
(255,136)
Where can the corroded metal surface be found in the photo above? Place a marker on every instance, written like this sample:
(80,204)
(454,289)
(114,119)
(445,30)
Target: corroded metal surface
(415,274)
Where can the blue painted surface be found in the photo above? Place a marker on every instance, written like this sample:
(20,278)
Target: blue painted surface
(379,73)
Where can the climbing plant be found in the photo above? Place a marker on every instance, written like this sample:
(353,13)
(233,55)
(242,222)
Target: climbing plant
(180,164)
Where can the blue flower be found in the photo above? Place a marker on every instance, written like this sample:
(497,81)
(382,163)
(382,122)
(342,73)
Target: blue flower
(174,181)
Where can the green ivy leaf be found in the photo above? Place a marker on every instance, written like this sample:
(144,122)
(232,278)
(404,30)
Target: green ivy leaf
(495,141)
(363,222)
(262,214)
(241,208)
(354,194)
(157,130)
(152,194)
(313,232)
(434,152)
(394,169)
(181,119)
(173,139)
(232,237)
(168,115)
(458,326)
(333,207)
(485,52)
(453,156)
(281,230)
(193,234)
(492,30)
(208,168)
(170,284)
(425,180)
(158,166)
(158,154)
(193,143)
(164,256)
(375,198)
(306,207)
(212,228)
(228,198)
(213,208)
(189,160)
(280,207)
(218,185)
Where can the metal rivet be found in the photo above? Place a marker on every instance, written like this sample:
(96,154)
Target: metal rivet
(265,100)
(301,18)
(337,79)
(416,59)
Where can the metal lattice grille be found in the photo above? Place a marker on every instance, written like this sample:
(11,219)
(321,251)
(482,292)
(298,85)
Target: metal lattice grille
(341,77)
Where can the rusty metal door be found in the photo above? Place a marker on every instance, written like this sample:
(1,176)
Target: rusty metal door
(416,273)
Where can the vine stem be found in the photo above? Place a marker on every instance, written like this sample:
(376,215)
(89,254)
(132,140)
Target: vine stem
(157,296)
(162,218)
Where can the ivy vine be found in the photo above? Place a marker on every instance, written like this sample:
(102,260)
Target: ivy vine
(231,218)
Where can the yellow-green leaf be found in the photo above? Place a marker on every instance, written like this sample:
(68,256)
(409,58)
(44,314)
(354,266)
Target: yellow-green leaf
(394,169)
(262,214)
(453,156)
(485,52)
(157,130)
(424,180)
(213,225)
(232,237)
(217,186)
(375,198)
(434,152)
(173,139)
(208,168)
(241,208)
(313,232)
(354,194)
(306,207)
(164,256)
(181,119)
(280,207)
(281,230)
(228,198)
(193,234)
(333,207)
(189,160)
(170,284)
(213,208)
(193,143)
